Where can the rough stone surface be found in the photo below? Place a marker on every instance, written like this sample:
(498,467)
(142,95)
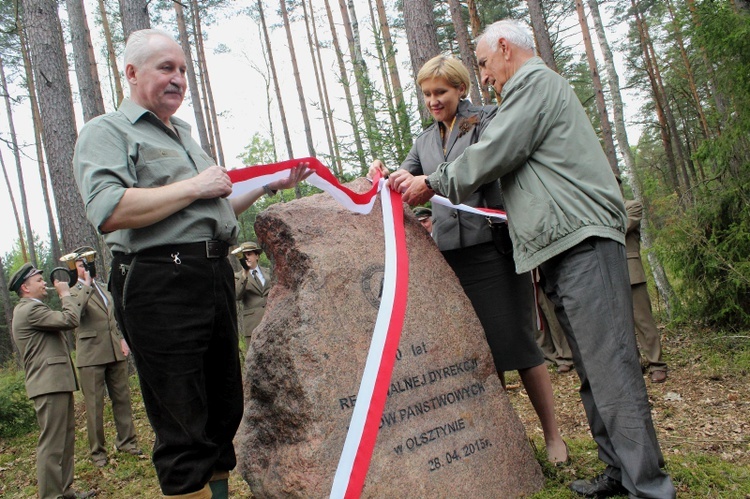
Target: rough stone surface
(448,428)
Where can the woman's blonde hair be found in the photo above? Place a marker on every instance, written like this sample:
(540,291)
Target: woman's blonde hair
(450,68)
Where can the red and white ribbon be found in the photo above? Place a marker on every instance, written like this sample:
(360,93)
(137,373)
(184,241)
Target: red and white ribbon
(373,390)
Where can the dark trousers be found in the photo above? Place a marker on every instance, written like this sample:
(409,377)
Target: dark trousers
(179,316)
(590,287)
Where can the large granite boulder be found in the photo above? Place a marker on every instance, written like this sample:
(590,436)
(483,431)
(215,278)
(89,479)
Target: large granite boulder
(448,428)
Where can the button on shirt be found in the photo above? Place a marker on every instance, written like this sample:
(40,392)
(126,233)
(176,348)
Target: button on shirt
(131,147)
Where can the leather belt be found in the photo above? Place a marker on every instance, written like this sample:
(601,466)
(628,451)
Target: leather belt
(206,249)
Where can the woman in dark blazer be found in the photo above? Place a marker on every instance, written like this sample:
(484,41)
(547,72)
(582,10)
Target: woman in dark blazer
(502,299)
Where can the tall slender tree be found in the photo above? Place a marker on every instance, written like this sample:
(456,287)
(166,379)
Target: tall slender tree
(318,70)
(134,15)
(111,54)
(37,123)
(19,172)
(466,49)
(58,119)
(14,207)
(274,75)
(361,78)
(344,81)
(606,129)
(398,92)
(421,35)
(657,269)
(89,87)
(541,34)
(213,115)
(298,81)
(195,95)
(387,90)
(326,98)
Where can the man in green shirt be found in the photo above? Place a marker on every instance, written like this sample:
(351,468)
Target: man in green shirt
(161,203)
(566,216)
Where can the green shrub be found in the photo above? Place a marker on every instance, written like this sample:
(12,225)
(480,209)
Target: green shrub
(17,416)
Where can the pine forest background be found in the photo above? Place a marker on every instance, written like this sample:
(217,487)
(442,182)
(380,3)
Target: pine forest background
(666,84)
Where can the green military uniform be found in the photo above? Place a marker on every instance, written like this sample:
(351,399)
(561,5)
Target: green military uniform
(649,339)
(50,382)
(101,363)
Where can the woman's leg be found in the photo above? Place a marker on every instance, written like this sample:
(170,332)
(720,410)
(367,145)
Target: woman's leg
(538,386)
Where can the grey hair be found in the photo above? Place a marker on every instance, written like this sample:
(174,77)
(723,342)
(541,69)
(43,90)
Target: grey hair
(513,31)
(137,47)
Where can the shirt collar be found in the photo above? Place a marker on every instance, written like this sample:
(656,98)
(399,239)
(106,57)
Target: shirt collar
(133,112)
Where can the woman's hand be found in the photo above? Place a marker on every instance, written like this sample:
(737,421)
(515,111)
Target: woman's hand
(296,175)
(378,166)
(413,189)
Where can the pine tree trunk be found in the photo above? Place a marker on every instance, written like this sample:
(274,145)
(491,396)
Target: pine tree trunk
(203,69)
(421,35)
(318,70)
(659,105)
(719,99)
(466,49)
(58,119)
(541,35)
(383,65)
(37,121)
(326,100)
(16,216)
(344,81)
(267,39)
(669,116)
(663,285)
(298,81)
(195,96)
(89,87)
(476,30)
(361,78)
(688,71)
(111,55)
(19,171)
(398,91)
(609,144)
(134,15)
(193,18)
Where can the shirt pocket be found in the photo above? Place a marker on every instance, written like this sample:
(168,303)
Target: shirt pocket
(158,166)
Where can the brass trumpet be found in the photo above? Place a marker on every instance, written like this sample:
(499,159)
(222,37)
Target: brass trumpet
(86,254)
(68,272)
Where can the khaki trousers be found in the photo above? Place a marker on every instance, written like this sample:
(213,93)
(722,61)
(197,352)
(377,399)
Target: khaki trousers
(56,447)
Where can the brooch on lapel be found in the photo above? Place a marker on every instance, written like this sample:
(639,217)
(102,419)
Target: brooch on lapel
(467,124)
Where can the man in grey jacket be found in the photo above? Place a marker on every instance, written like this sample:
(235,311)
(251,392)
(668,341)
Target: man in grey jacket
(566,216)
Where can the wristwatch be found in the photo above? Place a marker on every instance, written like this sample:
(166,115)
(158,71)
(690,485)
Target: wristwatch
(427,183)
(269,192)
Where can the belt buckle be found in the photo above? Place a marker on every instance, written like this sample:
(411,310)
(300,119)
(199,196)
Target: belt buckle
(213,249)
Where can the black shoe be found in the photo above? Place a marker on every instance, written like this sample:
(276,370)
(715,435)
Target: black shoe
(601,486)
(77,494)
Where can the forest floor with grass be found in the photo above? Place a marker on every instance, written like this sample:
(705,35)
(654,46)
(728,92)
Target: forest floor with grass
(701,413)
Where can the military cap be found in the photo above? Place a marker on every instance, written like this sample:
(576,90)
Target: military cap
(251,246)
(421,213)
(19,276)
